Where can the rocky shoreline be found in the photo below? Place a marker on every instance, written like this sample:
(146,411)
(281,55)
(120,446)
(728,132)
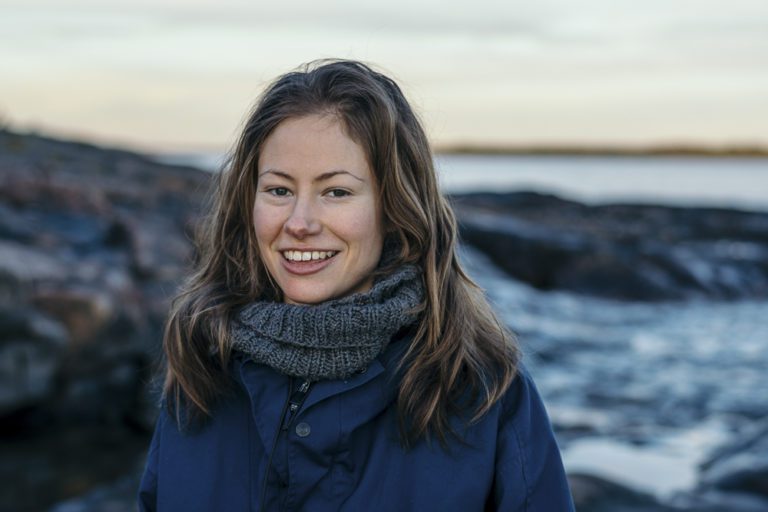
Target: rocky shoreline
(94,241)
(621,251)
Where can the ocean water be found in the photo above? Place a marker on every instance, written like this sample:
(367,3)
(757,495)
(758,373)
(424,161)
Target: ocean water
(693,181)
(640,393)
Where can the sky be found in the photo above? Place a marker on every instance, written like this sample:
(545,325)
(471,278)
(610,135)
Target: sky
(180,75)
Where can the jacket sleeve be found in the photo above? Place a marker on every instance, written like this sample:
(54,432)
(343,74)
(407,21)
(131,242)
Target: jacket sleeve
(147,495)
(529,473)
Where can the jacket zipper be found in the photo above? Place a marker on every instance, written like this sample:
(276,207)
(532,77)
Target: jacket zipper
(296,399)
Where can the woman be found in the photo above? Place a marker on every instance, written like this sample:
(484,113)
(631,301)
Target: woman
(330,353)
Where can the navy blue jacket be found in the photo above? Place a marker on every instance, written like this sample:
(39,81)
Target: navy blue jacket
(340,451)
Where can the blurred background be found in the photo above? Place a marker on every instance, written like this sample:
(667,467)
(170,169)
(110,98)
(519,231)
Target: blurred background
(608,162)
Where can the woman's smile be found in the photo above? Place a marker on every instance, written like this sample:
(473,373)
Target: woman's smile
(307,262)
(308,255)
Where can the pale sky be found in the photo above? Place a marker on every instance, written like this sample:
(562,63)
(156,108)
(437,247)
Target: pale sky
(170,75)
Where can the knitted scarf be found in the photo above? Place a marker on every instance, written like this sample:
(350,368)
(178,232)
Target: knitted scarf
(334,339)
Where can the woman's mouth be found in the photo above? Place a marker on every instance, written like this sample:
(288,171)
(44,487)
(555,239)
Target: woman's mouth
(308,255)
(307,262)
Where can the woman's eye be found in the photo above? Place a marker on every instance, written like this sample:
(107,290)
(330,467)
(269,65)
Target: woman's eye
(278,191)
(338,192)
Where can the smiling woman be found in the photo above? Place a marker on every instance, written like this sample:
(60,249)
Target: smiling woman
(330,353)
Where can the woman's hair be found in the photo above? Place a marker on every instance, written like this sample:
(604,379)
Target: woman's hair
(460,357)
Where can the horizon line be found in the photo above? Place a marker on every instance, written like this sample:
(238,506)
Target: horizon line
(751,150)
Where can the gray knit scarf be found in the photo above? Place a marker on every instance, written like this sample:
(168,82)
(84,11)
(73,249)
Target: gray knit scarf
(334,339)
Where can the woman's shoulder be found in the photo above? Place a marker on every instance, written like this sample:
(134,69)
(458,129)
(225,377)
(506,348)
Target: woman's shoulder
(522,403)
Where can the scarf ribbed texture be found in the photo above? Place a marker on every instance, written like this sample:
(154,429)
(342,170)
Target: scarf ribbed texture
(334,339)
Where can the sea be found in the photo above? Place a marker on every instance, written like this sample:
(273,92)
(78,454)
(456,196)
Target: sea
(639,393)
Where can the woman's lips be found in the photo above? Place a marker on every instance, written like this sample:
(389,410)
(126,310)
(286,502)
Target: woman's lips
(303,268)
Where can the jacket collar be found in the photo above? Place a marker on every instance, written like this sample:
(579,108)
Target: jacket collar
(267,389)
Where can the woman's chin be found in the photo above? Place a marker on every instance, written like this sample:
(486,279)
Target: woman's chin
(307,297)
(317,295)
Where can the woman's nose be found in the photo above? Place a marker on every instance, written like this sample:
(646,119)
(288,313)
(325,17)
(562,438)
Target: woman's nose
(303,221)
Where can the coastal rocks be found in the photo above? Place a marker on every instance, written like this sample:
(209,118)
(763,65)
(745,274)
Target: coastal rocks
(592,493)
(29,358)
(631,252)
(93,242)
(717,501)
(740,466)
(71,464)
(119,496)
(83,312)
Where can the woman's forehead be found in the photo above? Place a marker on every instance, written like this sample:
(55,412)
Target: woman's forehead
(312,147)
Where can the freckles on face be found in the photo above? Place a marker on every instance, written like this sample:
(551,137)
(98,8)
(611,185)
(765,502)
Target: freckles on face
(316,214)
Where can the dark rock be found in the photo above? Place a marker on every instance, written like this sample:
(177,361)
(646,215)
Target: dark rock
(719,501)
(119,496)
(595,494)
(741,465)
(29,358)
(93,244)
(27,373)
(84,312)
(22,264)
(634,252)
(44,469)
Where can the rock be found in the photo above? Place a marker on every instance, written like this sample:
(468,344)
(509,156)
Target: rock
(84,312)
(596,494)
(631,252)
(90,464)
(119,496)
(27,264)
(719,501)
(27,373)
(93,243)
(160,250)
(741,465)
(29,358)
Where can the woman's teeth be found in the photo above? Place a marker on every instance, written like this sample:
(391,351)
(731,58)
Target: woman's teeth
(307,255)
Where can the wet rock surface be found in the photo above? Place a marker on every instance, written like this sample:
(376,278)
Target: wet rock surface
(741,465)
(662,396)
(93,243)
(592,493)
(623,251)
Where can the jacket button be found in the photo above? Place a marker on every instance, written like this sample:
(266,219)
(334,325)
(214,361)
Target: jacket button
(303,430)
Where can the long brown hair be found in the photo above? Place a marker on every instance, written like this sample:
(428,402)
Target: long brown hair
(460,353)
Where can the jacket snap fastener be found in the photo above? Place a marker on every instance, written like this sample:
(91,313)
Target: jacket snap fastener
(303,429)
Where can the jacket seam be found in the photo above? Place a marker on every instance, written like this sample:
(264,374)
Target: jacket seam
(523,465)
(251,481)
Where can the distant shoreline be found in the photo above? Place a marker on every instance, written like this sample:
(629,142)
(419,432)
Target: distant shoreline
(731,151)
(699,151)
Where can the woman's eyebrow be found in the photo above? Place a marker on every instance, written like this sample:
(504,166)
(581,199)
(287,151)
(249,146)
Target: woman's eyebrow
(277,173)
(322,177)
(330,174)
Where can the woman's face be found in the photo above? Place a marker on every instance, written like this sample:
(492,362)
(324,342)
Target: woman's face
(316,214)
